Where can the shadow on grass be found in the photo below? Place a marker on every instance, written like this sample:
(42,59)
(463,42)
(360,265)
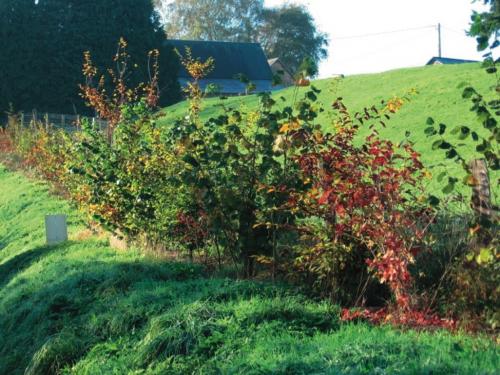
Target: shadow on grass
(55,317)
(80,308)
(24,260)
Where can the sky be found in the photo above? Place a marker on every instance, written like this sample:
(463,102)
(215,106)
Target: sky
(352,51)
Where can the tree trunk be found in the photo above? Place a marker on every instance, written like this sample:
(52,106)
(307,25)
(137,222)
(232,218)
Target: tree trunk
(247,241)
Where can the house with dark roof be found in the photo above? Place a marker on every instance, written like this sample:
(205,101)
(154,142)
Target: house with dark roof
(279,68)
(446,60)
(232,60)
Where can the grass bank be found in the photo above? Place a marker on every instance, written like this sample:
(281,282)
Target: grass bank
(84,308)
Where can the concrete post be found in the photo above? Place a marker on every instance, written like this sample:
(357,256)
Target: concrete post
(56,229)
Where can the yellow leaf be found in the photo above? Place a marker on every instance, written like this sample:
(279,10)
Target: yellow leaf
(284,128)
(318,136)
(470,180)
(473,231)
(290,126)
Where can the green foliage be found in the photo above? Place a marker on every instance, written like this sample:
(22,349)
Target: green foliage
(43,43)
(486,144)
(262,185)
(254,174)
(242,183)
(228,163)
(470,271)
(228,20)
(454,277)
(439,94)
(126,185)
(83,308)
(485,26)
(459,278)
(475,291)
(308,68)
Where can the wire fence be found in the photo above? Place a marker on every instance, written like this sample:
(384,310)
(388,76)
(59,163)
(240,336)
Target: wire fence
(55,121)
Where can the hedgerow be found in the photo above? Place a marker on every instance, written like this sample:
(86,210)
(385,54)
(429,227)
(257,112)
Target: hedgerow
(264,189)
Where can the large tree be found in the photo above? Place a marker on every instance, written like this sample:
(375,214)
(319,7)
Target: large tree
(19,44)
(288,32)
(224,20)
(45,40)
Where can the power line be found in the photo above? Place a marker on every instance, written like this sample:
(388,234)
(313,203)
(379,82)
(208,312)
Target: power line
(381,49)
(463,32)
(384,33)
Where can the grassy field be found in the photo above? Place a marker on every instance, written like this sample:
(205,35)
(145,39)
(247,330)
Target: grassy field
(439,95)
(84,308)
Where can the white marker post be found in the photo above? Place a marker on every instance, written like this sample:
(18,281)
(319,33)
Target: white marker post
(56,229)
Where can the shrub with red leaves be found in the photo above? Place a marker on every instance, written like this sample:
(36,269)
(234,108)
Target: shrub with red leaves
(367,198)
(5,142)
(410,318)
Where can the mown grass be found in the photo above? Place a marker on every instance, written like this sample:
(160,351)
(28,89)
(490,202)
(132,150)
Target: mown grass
(83,308)
(439,95)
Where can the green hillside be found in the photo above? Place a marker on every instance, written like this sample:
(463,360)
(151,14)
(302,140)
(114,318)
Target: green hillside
(84,308)
(439,95)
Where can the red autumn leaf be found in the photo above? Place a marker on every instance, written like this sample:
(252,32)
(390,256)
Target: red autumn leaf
(325,196)
(340,210)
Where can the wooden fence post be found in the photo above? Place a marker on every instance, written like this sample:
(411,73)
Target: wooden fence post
(481,199)
(481,194)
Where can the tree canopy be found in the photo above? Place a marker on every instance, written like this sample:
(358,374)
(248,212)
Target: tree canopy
(43,42)
(485,25)
(288,32)
(227,20)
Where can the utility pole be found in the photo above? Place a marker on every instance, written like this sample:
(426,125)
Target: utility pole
(439,38)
